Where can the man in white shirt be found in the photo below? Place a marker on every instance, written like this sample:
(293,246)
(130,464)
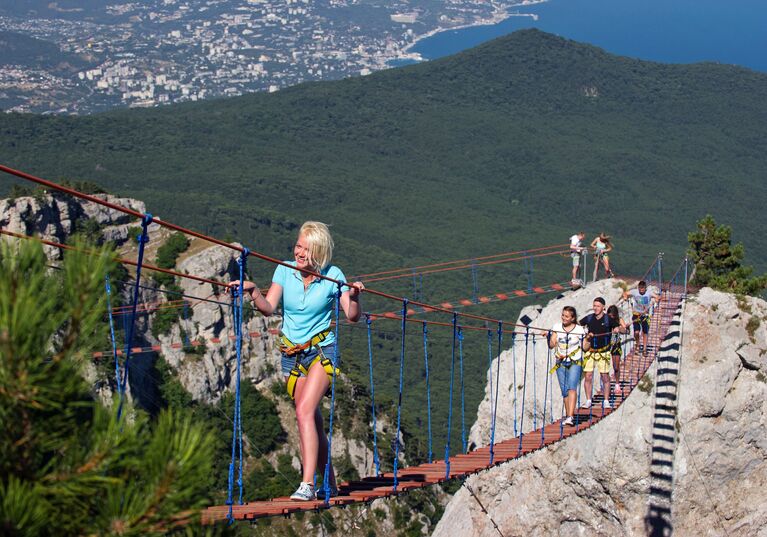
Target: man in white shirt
(576,249)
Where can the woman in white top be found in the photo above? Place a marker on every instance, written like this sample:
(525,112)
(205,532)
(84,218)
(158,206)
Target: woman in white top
(569,340)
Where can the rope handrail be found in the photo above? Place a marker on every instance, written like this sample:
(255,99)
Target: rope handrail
(470,259)
(471,265)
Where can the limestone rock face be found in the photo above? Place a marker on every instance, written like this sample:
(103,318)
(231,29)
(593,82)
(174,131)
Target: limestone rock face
(208,372)
(599,481)
(54,217)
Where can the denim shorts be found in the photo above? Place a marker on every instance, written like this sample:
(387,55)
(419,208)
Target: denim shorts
(305,358)
(569,377)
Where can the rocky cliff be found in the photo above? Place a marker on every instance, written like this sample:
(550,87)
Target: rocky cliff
(686,451)
(56,217)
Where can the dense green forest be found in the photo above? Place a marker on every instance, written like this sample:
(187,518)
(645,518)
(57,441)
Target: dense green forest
(515,144)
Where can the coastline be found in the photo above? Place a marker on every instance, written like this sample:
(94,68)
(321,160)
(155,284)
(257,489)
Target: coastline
(499,15)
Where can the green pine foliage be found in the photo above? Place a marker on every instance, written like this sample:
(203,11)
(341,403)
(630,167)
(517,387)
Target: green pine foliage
(718,263)
(67,465)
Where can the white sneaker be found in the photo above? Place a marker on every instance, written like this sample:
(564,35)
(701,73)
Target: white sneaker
(606,404)
(567,421)
(304,493)
(587,404)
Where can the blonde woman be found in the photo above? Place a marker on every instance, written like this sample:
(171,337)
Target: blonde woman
(307,342)
(601,245)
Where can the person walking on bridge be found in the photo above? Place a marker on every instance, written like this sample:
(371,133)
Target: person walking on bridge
(642,300)
(307,342)
(616,347)
(569,340)
(600,331)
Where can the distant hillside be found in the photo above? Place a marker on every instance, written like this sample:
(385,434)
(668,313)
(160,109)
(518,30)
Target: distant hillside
(518,142)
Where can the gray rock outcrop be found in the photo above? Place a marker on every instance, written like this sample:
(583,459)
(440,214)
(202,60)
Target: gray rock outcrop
(209,371)
(56,217)
(600,482)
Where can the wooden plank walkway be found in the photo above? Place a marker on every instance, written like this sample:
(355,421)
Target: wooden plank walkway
(463,465)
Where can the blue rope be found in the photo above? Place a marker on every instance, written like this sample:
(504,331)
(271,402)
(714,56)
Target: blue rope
(578,396)
(524,390)
(497,386)
(112,331)
(237,303)
(143,239)
(376,460)
(428,386)
(186,324)
(450,404)
(490,378)
(546,389)
(535,390)
(463,410)
(326,475)
(551,392)
(399,402)
(514,374)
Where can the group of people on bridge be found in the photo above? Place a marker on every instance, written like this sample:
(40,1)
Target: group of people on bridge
(595,343)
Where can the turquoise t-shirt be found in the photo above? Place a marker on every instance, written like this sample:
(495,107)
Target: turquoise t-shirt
(307,312)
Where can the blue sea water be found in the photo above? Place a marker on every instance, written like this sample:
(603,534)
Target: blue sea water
(669,31)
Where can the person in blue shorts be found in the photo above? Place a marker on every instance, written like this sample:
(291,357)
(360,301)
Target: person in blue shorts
(569,340)
(307,343)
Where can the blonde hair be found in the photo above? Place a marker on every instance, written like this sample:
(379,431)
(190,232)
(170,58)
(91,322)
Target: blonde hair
(320,242)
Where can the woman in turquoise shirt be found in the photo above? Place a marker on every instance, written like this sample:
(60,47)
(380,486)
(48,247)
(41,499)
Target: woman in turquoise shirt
(307,343)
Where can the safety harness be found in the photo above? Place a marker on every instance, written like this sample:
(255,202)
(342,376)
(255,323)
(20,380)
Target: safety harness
(289,348)
(640,317)
(561,360)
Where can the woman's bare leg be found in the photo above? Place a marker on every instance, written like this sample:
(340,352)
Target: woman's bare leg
(307,409)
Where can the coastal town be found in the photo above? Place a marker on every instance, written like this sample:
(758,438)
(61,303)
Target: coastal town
(143,54)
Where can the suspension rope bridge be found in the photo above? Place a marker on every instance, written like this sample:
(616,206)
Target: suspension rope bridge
(524,339)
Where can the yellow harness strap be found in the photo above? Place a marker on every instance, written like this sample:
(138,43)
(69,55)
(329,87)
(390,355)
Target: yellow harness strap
(289,348)
(561,359)
(299,370)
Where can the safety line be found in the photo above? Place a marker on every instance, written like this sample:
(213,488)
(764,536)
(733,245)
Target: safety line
(416,270)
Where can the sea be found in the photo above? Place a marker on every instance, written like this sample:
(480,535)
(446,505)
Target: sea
(668,31)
